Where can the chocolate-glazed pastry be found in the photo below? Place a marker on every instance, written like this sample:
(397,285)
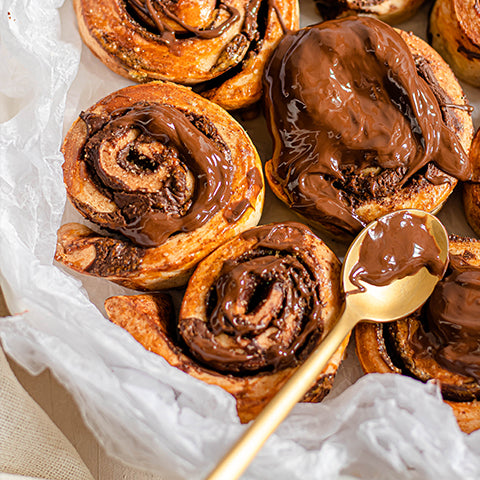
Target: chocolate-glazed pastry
(253,311)
(390,11)
(365,121)
(168,172)
(440,341)
(454,31)
(221,45)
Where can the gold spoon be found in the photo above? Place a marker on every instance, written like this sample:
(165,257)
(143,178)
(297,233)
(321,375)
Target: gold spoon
(376,303)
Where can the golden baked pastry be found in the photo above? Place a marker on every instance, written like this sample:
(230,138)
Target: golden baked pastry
(170,173)
(365,120)
(252,312)
(222,45)
(471,190)
(454,31)
(440,341)
(390,11)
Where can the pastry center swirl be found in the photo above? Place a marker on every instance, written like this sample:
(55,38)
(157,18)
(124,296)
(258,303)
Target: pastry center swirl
(164,175)
(170,18)
(264,308)
(354,118)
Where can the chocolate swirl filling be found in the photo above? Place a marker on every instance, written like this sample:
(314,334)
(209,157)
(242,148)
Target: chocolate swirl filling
(165,171)
(263,310)
(164,19)
(149,13)
(354,119)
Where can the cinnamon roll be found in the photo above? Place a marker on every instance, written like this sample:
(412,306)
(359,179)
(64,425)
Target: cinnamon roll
(390,11)
(441,340)
(454,31)
(170,174)
(222,45)
(253,311)
(365,120)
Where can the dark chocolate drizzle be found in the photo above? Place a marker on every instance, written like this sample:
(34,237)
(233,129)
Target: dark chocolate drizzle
(234,211)
(169,177)
(346,100)
(452,314)
(264,309)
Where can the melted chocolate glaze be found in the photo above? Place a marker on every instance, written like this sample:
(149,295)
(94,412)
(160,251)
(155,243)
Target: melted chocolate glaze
(397,247)
(443,334)
(235,210)
(452,333)
(164,144)
(264,309)
(425,71)
(345,96)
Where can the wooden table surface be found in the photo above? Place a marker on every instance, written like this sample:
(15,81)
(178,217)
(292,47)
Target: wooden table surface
(57,402)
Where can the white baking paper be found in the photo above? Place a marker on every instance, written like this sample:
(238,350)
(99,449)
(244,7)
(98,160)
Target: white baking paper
(142,410)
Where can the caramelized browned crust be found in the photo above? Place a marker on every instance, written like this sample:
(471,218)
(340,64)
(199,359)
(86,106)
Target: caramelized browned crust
(390,11)
(235,58)
(467,414)
(145,313)
(376,357)
(471,202)
(454,31)
(419,193)
(170,263)
(141,316)
(471,190)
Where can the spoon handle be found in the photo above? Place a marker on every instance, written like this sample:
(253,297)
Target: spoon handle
(239,457)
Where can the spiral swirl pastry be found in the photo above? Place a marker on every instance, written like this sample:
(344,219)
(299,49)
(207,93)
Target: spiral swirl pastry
(253,311)
(439,342)
(222,45)
(169,172)
(365,120)
(454,31)
(390,11)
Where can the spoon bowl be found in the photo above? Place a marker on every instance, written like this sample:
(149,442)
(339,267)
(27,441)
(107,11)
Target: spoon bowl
(401,297)
(383,303)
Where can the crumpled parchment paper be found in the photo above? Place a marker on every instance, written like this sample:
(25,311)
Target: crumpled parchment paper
(142,410)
